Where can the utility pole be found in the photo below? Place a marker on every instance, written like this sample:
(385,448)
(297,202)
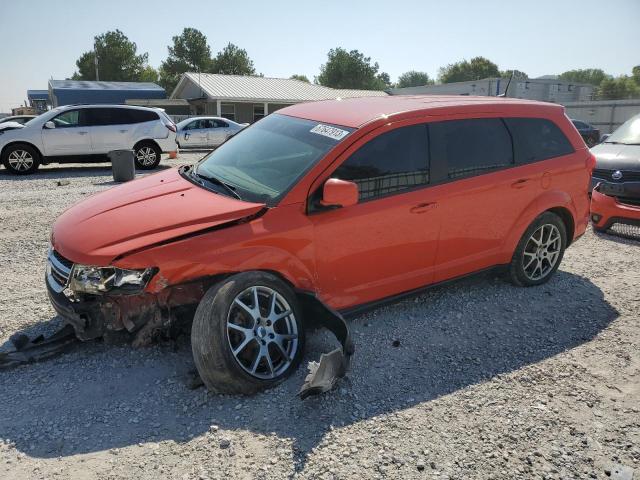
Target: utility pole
(95,60)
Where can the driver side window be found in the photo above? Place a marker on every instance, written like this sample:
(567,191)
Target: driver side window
(391,162)
(71,118)
(193,125)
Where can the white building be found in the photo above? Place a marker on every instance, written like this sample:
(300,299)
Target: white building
(249,98)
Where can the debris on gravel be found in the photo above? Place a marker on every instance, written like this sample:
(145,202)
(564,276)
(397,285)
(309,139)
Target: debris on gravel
(489,381)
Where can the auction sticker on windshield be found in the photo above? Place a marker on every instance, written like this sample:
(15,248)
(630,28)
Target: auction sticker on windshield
(328,131)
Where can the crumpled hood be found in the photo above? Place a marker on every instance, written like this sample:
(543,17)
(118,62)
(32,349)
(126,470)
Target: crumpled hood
(137,214)
(610,156)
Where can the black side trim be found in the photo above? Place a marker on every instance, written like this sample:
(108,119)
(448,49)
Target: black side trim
(366,307)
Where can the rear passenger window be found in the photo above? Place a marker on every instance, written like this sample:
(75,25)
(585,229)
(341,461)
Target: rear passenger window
(391,162)
(471,147)
(537,139)
(140,116)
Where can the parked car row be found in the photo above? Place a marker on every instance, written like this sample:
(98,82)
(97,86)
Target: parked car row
(87,133)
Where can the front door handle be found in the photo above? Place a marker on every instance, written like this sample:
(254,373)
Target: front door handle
(124,131)
(82,133)
(521,183)
(423,207)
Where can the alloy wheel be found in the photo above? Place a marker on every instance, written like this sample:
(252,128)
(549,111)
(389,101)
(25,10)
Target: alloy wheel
(262,332)
(541,252)
(146,156)
(20,160)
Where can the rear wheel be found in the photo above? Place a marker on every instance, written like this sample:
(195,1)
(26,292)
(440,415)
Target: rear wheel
(539,252)
(247,334)
(21,159)
(147,155)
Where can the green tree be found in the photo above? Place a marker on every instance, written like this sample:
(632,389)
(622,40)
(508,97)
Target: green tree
(149,74)
(118,59)
(302,78)
(190,52)
(620,88)
(351,70)
(232,60)
(475,69)
(412,78)
(635,73)
(592,76)
(517,74)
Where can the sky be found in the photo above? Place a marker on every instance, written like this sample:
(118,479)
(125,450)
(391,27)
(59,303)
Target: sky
(42,39)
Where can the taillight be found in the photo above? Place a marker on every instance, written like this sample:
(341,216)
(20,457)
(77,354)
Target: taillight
(171,127)
(591,162)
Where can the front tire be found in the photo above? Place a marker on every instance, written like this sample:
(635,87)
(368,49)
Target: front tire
(21,159)
(247,334)
(147,155)
(539,251)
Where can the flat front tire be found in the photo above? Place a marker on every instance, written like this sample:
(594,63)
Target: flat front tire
(539,251)
(247,334)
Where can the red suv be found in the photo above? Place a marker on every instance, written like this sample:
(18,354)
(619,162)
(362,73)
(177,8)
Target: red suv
(321,207)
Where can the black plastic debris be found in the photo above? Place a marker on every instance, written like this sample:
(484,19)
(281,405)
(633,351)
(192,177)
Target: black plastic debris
(37,349)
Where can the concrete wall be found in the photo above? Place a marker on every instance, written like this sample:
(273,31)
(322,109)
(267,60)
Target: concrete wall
(606,115)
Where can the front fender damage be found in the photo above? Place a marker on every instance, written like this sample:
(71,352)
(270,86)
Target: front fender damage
(148,317)
(334,365)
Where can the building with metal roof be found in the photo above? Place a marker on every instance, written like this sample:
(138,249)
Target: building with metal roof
(68,92)
(39,100)
(542,89)
(249,98)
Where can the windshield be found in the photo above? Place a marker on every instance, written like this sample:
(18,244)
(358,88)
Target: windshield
(628,133)
(266,159)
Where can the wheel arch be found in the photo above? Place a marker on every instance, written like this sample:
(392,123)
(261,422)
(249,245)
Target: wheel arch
(145,141)
(567,218)
(555,201)
(21,142)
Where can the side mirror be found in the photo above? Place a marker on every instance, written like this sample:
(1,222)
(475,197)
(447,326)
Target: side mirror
(339,193)
(49,125)
(604,137)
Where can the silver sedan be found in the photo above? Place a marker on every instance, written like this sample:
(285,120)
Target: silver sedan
(206,132)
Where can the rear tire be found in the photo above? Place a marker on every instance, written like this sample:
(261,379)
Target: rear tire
(539,251)
(147,155)
(239,349)
(21,159)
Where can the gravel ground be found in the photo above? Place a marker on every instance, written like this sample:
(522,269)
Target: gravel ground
(477,379)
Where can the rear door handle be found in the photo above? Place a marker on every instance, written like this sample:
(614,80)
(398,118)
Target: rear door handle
(520,183)
(423,207)
(82,133)
(124,131)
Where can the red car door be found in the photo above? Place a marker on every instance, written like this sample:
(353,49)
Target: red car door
(385,244)
(484,195)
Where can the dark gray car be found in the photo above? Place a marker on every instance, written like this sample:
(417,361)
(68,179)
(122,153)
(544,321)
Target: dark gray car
(618,157)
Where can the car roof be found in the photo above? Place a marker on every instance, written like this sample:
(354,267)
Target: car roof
(107,105)
(356,112)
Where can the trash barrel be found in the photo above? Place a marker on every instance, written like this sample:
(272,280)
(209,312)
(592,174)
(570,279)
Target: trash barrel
(122,165)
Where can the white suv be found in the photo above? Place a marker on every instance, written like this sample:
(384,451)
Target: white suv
(87,133)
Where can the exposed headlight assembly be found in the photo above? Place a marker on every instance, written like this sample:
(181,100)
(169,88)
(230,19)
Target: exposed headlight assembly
(98,280)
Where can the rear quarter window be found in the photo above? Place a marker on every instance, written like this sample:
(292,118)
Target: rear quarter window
(536,139)
(141,116)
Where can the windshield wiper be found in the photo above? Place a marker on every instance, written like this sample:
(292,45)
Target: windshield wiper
(217,181)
